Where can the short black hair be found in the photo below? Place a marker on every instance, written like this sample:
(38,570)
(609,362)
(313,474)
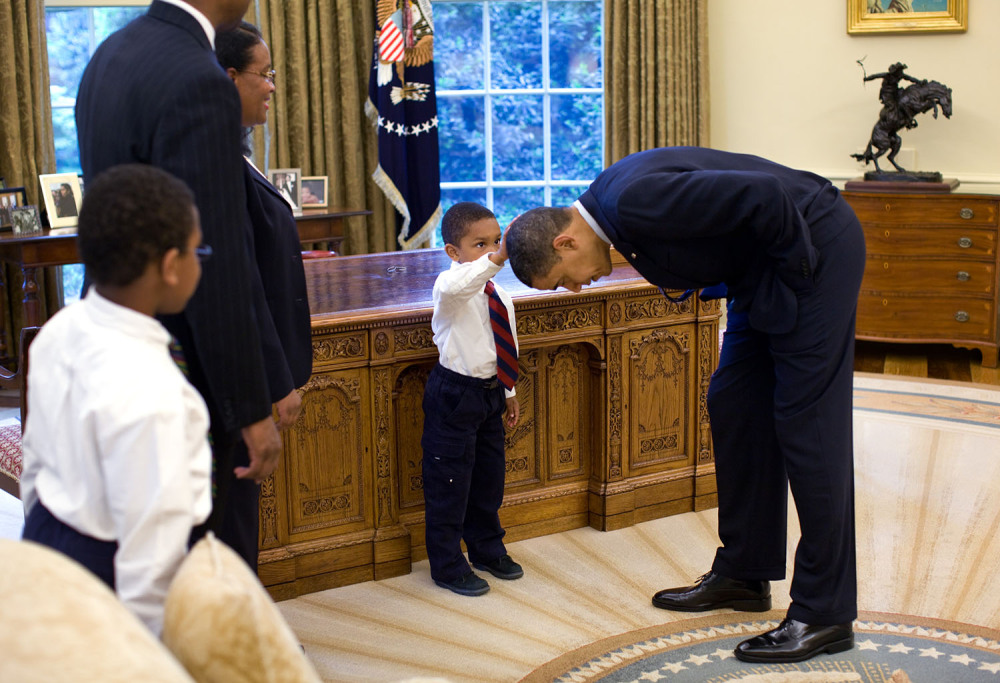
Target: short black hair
(459,217)
(529,241)
(131,216)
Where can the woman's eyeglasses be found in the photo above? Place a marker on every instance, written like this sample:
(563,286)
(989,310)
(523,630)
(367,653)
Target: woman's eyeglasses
(266,75)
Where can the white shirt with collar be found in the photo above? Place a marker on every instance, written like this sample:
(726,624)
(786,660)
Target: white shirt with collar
(202,19)
(115,443)
(461,321)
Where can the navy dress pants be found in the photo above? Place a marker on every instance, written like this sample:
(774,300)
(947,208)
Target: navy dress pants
(463,471)
(98,556)
(781,412)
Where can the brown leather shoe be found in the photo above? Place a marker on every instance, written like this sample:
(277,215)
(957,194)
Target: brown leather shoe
(714,591)
(794,641)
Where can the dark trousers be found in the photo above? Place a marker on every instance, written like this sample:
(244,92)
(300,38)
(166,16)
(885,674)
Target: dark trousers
(781,412)
(98,556)
(463,471)
(241,516)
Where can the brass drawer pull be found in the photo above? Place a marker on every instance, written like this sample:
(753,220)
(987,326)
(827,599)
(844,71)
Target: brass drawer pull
(967,213)
(965,242)
(961,316)
(963,276)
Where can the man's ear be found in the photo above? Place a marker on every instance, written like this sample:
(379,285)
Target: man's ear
(170,267)
(452,251)
(564,242)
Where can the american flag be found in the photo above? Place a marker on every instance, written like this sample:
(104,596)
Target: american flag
(390,42)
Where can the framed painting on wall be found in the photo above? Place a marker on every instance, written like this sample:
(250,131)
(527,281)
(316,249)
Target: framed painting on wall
(870,17)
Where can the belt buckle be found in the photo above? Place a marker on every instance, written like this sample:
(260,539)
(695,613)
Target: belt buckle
(491,383)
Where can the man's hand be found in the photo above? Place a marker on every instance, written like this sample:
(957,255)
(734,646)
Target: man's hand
(289,409)
(264,448)
(512,413)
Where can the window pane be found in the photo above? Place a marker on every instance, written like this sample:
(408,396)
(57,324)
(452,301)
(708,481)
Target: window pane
(565,196)
(107,20)
(516,44)
(67,32)
(64,132)
(462,139)
(518,139)
(575,44)
(72,283)
(458,45)
(510,202)
(576,126)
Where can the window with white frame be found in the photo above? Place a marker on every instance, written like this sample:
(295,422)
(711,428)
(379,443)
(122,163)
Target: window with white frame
(520,98)
(73,30)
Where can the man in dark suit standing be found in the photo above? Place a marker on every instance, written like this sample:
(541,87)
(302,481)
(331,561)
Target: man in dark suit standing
(154,93)
(791,253)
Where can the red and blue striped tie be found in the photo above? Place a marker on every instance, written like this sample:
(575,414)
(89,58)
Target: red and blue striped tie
(506,351)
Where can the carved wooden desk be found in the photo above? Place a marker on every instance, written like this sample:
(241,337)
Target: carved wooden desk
(614,426)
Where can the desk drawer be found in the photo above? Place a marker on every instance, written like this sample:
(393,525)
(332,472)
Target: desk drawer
(929,318)
(903,210)
(943,243)
(916,276)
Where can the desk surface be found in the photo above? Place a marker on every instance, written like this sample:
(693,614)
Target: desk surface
(373,285)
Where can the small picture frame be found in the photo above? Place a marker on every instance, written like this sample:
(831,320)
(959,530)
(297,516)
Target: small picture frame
(25,220)
(288,182)
(314,188)
(10,198)
(62,195)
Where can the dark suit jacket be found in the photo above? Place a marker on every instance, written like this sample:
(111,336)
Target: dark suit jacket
(689,217)
(279,260)
(154,93)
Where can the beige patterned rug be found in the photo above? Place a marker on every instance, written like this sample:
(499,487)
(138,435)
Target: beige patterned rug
(928,518)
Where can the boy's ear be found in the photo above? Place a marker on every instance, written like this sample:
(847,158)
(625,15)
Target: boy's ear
(452,251)
(169,270)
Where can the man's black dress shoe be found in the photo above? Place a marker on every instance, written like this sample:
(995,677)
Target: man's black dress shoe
(714,591)
(794,641)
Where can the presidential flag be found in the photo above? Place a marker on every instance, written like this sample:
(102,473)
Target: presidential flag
(401,104)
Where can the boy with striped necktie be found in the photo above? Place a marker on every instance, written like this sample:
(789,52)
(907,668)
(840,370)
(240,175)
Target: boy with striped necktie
(468,399)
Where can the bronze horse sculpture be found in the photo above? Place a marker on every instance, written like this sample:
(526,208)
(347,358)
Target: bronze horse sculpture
(922,96)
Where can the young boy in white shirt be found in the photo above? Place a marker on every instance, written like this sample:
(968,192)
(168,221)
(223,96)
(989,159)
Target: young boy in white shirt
(469,397)
(117,467)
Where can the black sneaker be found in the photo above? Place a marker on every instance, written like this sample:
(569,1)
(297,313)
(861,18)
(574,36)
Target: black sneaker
(502,568)
(470,584)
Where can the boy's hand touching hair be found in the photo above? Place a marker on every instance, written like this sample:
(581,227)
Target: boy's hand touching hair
(499,256)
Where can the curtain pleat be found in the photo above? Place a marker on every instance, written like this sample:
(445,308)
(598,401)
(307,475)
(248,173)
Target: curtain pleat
(321,50)
(26,145)
(656,75)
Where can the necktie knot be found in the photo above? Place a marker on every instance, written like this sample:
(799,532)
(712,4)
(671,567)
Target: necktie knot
(503,338)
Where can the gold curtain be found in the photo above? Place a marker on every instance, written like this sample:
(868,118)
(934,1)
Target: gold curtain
(322,50)
(26,145)
(656,75)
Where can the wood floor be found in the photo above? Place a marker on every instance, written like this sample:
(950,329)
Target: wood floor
(935,361)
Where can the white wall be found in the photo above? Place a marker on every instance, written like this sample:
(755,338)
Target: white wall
(785,85)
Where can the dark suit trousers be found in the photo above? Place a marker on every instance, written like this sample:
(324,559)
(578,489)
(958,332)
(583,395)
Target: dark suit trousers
(240,518)
(781,412)
(463,470)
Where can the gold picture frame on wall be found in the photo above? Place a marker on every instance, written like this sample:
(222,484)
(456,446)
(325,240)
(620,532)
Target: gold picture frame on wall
(947,16)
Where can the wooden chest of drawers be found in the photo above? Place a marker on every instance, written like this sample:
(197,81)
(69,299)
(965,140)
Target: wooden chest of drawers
(931,274)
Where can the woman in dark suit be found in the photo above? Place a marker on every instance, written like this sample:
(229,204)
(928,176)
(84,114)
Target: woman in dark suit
(275,245)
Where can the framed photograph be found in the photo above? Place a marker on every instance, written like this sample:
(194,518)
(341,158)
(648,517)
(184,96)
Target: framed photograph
(10,198)
(25,219)
(62,195)
(871,17)
(288,182)
(314,191)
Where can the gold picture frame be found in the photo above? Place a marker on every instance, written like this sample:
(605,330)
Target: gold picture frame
(954,19)
(314,190)
(63,196)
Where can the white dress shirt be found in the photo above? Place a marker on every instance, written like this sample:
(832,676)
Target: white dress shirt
(202,19)
(115,443)
(461,321)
